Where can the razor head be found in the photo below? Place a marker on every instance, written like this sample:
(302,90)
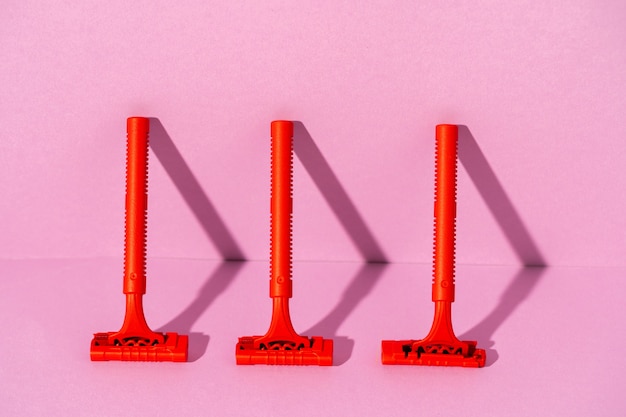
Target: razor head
(174,349)
(319,352)
(412,352)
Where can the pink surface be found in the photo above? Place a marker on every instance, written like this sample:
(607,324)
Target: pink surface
(553,336)
(540,87)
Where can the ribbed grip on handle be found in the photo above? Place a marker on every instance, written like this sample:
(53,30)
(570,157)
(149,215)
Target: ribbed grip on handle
(136,205)
(281,209)
(445,212)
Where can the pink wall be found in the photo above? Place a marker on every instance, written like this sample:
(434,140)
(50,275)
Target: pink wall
(540,88)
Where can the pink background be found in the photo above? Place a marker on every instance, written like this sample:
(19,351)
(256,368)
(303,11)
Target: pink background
(538,87)
(541,87)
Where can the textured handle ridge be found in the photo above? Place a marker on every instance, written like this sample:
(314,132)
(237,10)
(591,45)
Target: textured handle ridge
(445,213)
(281,209)
(136,206)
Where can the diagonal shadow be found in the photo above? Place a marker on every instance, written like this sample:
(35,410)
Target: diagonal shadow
(511,224)
(359,288)
(215,284)
(214,227)
(342,206)
(335,195)
(497,200)
(193,194)
(515,293)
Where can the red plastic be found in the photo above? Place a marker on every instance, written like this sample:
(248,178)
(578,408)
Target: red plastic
(281,345)
(135,341)
(440,347)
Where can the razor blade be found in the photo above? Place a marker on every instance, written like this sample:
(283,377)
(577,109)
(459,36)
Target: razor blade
(319,352)
(405,352)
(173,349)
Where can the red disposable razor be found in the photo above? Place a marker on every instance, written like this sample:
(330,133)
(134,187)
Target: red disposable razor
(281,345)
(135,341)
(440,347)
